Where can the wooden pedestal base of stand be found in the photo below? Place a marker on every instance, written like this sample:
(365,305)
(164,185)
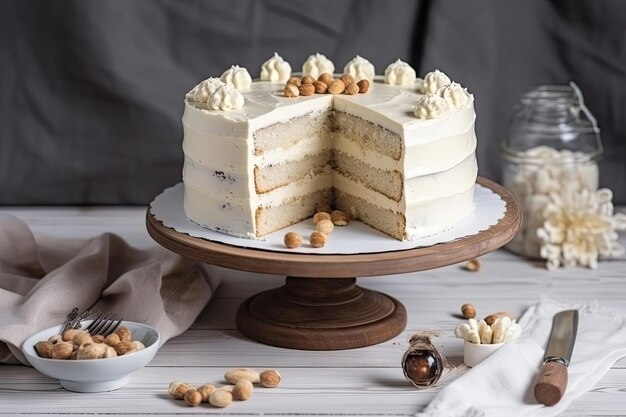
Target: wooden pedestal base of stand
(321,314)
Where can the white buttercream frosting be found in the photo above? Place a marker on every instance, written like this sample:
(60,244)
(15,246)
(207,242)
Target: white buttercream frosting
(317,64)
(275,69)
(238,77)
(360,68)
(433,81)
(201,92)
(431,106)
(456,96)
(400,73)
(226,98)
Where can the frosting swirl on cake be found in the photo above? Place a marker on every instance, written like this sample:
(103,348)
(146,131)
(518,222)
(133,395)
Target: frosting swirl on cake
(456,96)
(202,91)
(360,68)
(431,106)
(433,81)
(275,69)
(317,64)
(400,73)
(238,77)
(226,98)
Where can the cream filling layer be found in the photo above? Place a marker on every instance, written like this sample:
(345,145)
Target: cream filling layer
(308,146)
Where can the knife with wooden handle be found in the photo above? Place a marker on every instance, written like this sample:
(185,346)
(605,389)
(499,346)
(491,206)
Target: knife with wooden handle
(552,378)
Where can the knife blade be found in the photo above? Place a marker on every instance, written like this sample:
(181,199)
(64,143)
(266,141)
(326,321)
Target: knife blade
(552,378)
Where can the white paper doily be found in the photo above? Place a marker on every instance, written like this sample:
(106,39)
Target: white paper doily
(354,238)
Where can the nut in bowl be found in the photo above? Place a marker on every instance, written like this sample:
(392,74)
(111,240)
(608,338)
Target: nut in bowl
(94,375)
(482,338)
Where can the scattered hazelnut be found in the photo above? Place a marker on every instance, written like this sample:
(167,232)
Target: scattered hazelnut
(221,398)
(473,265)
(325,226)
(192,397)
(317,239)
(242,390)
(347,79)
(291,90)
(269,378)
(339,218)
(336,87)
(206,390)
(294,80)
(307,79)
(319,216)
(326,78)
(320,87)
(364,86)
(235,375)
(98,338)
(306,89)
(351,89)
(292,240)
(177,389)
(468,311)
(44,348)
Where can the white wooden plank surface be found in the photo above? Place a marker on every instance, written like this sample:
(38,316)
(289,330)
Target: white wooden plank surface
(366,381)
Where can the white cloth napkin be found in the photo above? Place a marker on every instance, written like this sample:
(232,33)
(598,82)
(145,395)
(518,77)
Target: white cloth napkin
(502,384)
(43,278)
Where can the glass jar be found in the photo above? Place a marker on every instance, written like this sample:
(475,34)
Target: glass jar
(553,143)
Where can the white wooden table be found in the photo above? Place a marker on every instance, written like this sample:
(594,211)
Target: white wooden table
(365,381)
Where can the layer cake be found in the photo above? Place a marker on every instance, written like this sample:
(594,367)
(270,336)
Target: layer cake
(400,158)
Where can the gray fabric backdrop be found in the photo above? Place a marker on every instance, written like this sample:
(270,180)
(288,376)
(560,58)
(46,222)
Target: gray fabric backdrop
(91,93)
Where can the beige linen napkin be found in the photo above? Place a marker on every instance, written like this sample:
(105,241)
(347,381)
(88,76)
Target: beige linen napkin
(43,278)
(502,384)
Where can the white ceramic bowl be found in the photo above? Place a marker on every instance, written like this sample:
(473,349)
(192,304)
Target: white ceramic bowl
(473,353)
(94,375)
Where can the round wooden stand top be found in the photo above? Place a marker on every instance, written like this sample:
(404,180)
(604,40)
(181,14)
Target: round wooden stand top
(344,266)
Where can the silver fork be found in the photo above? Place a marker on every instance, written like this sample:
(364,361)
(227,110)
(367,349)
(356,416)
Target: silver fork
(105,324)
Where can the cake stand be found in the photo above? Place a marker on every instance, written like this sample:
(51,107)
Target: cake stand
(320,307)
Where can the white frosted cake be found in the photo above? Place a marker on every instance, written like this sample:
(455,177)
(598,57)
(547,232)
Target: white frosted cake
(399,157)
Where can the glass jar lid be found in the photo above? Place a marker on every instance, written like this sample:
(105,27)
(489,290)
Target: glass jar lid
(554,116)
